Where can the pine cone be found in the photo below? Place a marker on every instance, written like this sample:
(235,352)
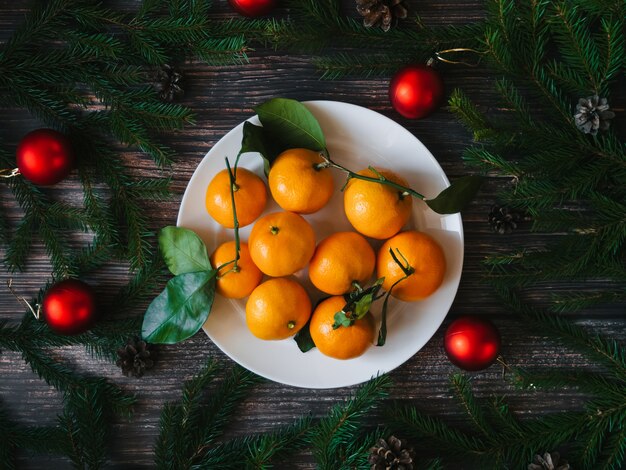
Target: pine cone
(504,220)
(592,113)
(168,83)
(381,11)
(549,461)
(136,357)
(391,454)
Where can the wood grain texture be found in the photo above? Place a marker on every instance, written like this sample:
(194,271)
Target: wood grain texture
(222,97)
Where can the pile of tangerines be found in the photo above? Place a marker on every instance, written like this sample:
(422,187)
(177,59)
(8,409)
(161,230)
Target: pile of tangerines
(283,242)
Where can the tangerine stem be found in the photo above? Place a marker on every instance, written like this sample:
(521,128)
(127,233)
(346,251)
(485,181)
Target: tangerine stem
(231,175)
(404,191)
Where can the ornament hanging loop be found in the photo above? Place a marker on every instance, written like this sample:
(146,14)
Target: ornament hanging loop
(36,310)
(9,173)
(438,56)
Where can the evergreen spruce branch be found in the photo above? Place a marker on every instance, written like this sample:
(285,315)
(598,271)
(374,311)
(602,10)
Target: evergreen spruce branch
(429,429)
(321,25)
(613,52)
(372,65)
(36,206)
(589,382)
(222,51)
(41,23)
(356,453)
(258,451)
(511,447)
(188,428)
(189,410)
(215,415)
(613,453)
(488,161)
(60,376)
(606,351)
(575,301)
(7,444)
(469,115)
(85,421)
(125,207)
(39,439)
(336,431)
(140,287)
(164,447)
(501,415)
(460,385)
(576,44)
(157,189)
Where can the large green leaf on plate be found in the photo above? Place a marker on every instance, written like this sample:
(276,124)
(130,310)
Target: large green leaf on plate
(455,197)
(289,124)
(181,309)
(255,140)
(183,250)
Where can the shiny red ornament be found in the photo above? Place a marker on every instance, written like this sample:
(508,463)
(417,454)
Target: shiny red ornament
(253,8)
(69,307)
(416,91)
(472,343)
(45,156)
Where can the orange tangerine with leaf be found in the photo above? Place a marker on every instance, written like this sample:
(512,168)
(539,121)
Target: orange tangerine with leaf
(281,243)
(298,183)
(344,342)
(250,197)
(277,309)
(377,210)
(239,282)
(341,260)
(418,252)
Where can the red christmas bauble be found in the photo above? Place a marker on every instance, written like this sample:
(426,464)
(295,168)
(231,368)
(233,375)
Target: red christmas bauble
(472,343)
(45,156)
(69,307)
(253,8)
(416,91)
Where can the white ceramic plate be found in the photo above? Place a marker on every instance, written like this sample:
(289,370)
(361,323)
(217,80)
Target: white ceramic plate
(356,137)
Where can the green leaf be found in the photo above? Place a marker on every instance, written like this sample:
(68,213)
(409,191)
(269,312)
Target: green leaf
(341,319)
(363,304)
(455,197)
(289,124)
(254,140)
(183,251)
(303,338)
(181,309)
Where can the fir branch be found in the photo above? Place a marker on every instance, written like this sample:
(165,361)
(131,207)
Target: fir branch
(421,426)
(188,428)
(606,351)
(336,431)
(85,422)
(257,451)
(461,387)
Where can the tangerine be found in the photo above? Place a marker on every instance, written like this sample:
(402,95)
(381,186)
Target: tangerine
(250,198)
(339,261)
(374,209)
(281,243)
(298,184)
(277,309)
(345,342)
(423,254)
(235,283)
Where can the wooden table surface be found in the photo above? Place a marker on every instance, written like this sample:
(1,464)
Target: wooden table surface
(222,97)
